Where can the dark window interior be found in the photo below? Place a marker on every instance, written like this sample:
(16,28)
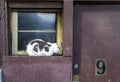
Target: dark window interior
(35,25)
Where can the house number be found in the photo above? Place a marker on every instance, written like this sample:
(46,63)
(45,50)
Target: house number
(100,66)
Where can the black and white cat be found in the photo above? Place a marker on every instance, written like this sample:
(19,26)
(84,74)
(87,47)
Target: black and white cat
(39,47)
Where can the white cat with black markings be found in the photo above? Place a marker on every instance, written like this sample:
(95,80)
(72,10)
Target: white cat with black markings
(39,47)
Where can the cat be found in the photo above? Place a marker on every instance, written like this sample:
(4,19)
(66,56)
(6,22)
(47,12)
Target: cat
(39,47)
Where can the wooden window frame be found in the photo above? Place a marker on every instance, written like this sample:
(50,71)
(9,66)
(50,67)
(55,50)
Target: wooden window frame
(21,6)
(67,7)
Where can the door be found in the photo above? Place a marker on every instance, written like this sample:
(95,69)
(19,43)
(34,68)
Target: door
(97,42)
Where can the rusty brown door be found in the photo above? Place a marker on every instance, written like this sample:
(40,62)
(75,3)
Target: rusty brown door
(97,42)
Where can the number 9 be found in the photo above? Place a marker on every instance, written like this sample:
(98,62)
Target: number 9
(101,67)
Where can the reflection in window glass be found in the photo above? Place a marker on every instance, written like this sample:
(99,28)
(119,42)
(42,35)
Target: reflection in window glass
(36,21)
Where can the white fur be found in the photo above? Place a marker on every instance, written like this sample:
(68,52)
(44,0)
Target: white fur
(53,49)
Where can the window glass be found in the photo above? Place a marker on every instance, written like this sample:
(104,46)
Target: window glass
(35,25)
(36,21)
(28,26)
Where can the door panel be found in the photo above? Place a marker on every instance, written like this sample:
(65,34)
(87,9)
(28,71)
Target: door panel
(36,69)
(97,37)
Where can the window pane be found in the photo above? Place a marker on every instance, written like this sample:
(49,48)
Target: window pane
(36,21)
(24,38)
(26,26)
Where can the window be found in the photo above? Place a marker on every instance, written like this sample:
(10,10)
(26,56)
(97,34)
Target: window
(26,26)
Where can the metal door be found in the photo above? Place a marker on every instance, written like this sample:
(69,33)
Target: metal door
(97,42)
